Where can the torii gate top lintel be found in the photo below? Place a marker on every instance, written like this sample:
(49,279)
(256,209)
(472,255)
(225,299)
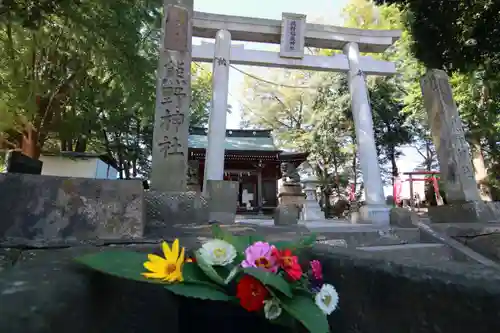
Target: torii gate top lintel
(259,30)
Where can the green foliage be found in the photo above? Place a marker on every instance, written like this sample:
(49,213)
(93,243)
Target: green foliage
(453,35)
(284,109)
(199,291)
(240,243)
(124,264)
(201,96)
(129,265)
(217,283)
(307,313)
(83,78)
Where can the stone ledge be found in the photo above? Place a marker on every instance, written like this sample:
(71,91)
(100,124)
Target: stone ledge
(466,212)
(58,208)
(46,292)
(182,207)
(410,296)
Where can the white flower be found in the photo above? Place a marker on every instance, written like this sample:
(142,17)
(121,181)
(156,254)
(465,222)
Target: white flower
(217,252)
(272,309)
(327,299)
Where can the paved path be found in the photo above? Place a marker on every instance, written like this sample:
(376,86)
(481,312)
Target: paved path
(316,226)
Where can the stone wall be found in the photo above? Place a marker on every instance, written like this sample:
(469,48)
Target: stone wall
(46,292)
(164,209)
(380,296)
(481,238)
(47,208)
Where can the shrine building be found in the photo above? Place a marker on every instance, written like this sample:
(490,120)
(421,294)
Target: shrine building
(250,158)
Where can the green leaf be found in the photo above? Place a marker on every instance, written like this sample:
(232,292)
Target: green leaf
(307,241)
(217,231)
(297,245)
(305,310)
(270,280)
(285,319)
(281,245)
(255,238)
(124,264)
(232,274)
(208,269)
(192,273)
(200,291)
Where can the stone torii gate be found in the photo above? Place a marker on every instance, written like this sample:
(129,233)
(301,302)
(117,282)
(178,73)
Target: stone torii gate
(170,146)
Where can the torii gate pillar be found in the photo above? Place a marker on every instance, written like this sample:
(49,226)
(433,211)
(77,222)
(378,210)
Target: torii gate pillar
(375,209)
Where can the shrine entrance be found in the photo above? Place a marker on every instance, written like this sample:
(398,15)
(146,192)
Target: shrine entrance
(247,195)
(293,34)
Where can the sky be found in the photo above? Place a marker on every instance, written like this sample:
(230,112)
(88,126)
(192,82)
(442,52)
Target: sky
(325,11)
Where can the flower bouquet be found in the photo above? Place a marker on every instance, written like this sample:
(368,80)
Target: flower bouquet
(262,278)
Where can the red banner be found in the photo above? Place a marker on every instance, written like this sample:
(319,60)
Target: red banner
(397,189)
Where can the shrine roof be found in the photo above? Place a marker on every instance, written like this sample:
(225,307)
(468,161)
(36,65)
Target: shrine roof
(251,140)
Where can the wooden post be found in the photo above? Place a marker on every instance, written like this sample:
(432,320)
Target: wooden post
(259,189)
(411,192)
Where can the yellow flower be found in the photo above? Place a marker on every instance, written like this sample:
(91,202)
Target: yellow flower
(168,269)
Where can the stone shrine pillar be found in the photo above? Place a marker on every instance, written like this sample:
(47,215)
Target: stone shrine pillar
(375,211)
(457,173)
(173,98)
(311,210)
(448,136)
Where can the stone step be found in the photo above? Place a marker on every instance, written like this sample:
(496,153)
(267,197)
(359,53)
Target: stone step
(362,237)
(425,252)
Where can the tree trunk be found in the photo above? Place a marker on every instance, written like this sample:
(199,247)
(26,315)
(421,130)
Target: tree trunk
(29,142)
(480,171)
(81,144)
(428,153)
(392,157)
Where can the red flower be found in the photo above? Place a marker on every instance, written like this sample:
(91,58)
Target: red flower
(251,293)
(289,263)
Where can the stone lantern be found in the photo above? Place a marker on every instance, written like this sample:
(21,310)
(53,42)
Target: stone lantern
(311,209)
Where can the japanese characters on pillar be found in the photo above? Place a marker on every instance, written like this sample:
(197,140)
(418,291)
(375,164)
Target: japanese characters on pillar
(293,31)
(449,138)
(174,88)
(173,97)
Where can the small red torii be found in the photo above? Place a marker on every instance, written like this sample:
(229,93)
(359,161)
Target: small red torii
(434,179)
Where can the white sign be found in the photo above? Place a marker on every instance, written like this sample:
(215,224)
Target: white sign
(293,31)
(246,198)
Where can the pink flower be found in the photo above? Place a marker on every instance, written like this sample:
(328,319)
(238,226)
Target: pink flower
(259,255)
(316,270)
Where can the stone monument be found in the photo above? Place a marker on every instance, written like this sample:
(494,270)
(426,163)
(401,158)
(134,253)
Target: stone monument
(290,196)
(173,97)
(311,209)
(457,173)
